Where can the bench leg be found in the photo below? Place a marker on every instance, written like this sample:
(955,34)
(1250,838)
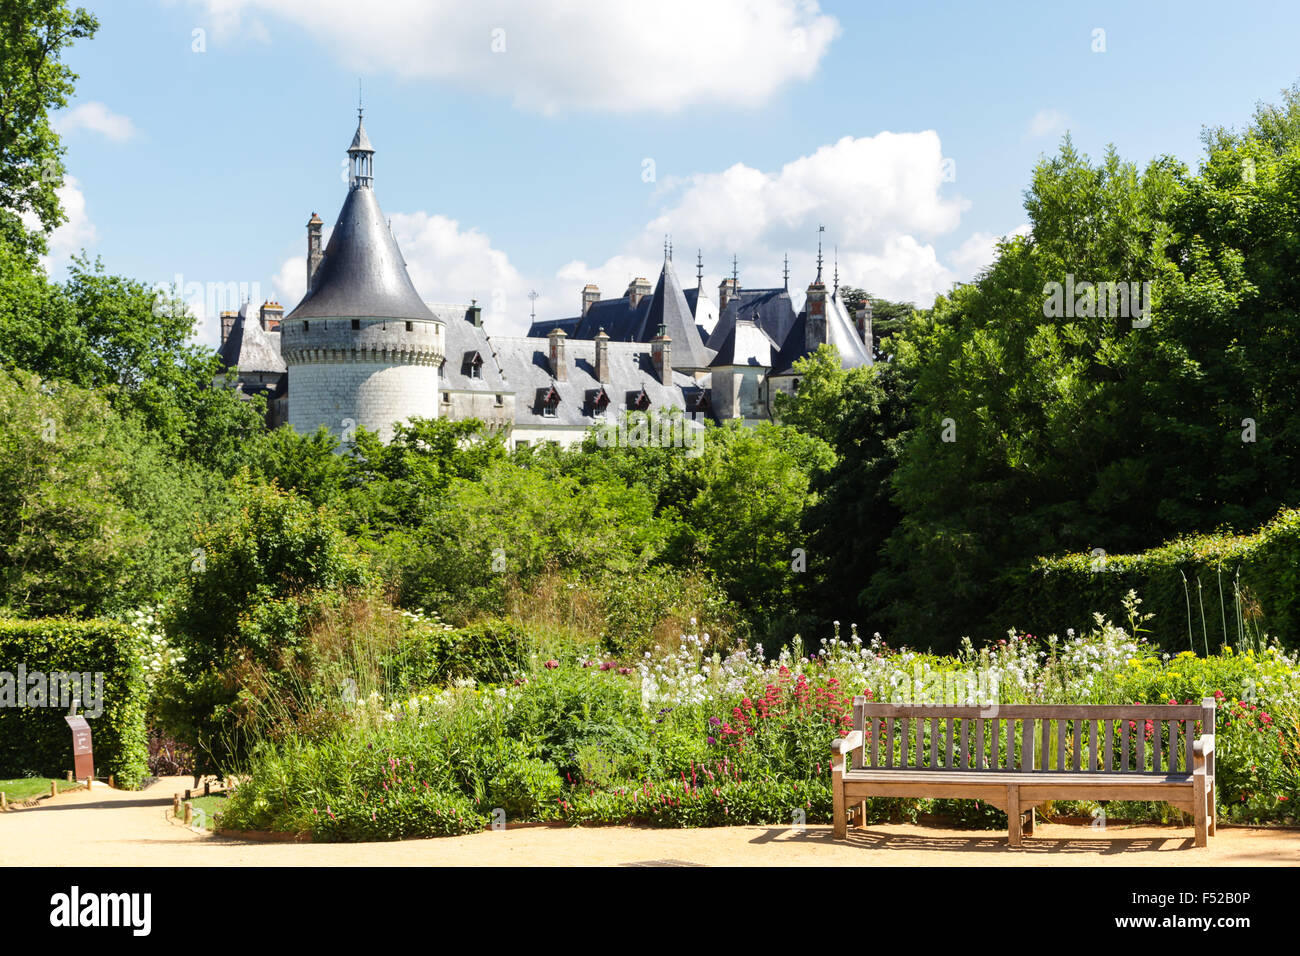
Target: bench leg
(1013,816)
(1030,820)
(840,824)
(1200,797)
(1213,808)
(860,820)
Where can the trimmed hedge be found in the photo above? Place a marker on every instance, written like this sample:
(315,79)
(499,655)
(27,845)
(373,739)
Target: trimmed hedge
(1059,593)
(36,740)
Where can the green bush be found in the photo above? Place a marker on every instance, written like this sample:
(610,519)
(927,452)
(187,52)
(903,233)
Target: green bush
(36,740)
(1236,587)
(488,651)
(526,788)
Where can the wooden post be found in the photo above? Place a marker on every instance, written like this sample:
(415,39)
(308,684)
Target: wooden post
(189,813)
(207,788)
(54,789)
(1013,816)
(4,802)
(176,805)
(110,780)
(187,794)
(69,776)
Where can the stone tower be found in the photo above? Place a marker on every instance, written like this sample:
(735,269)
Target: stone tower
(362,349)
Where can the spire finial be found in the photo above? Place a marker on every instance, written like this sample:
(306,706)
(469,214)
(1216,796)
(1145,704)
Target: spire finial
(820,230)
(532,295)
(665,247)
(786,272)
(699,267)
(360,109)
(836,287)
(735,274)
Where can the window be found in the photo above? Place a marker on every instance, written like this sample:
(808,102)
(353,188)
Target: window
(305,325)
(356,324)
(501,399)
(410,326)
(446,397)
(476,370)
(548,410)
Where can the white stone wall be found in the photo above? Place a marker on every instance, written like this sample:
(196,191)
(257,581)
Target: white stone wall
(458,406)
(370,394)
(565,435)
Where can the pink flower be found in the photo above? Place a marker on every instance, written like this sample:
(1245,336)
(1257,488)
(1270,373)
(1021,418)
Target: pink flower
(552,664)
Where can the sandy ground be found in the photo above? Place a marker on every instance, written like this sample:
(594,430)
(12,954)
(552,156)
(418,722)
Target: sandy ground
(106,827)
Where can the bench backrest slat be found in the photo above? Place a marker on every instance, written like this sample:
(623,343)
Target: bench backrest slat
(946,734)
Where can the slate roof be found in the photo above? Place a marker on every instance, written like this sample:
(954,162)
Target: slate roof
(704,310)
(463,338)
(746,344)
(771,308)
(250,347)
(363,272)
(668,308)
(840,332)
(526,366)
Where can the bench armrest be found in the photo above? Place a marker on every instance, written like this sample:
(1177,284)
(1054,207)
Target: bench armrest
(841,746)
(1203,755)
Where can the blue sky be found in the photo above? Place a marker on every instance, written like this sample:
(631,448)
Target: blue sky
(515,140)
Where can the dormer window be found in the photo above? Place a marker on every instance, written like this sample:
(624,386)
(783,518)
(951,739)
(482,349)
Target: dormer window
(638,401)
(599,402)
(547,400)
(472,365)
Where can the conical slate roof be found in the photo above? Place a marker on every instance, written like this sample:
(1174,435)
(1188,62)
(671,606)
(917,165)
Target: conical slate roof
(669,308)
(363,273)
(360,141)
(250,347)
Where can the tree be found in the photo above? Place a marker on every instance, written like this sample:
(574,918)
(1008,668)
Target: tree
(33,81)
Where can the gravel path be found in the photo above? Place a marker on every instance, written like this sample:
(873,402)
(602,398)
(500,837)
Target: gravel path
(105,827)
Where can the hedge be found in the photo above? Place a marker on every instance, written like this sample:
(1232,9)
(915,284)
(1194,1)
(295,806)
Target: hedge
(36,741)
(1060,593)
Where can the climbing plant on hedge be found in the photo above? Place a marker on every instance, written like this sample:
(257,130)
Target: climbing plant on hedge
(1233,587)
(36,740)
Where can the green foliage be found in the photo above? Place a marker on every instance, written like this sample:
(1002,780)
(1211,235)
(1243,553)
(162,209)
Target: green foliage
(526,787)
(1203,590)
(491,650)
(260,579)
(636,608)
(33,81)
(36,740)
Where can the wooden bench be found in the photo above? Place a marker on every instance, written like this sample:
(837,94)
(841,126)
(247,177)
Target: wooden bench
(1017,757)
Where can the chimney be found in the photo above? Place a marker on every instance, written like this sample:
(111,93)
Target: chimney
(227,325)
(661,353)
(863,322)
(590,296)
(602,357)
(314,251)
(559,371)
(727,290)
(474,313)
(637,290)
(815,328)
(271,314)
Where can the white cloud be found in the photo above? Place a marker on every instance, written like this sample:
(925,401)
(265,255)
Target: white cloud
(565,54)
(1048,122)
(879,197)
(97,118)
(73,235)
(978,252)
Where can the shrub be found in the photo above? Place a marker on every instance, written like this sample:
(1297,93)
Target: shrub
(1233,586)
(36,740)
(488,651)
(526,787)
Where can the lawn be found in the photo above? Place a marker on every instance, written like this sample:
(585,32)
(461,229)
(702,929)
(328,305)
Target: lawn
(24,788)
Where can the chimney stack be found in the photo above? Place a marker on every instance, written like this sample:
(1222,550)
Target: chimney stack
(227,325)
(661,353)
(314,251)
(590,296)
(727,290)
(271,314)
(602,357)
(637,290)
(559,371)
